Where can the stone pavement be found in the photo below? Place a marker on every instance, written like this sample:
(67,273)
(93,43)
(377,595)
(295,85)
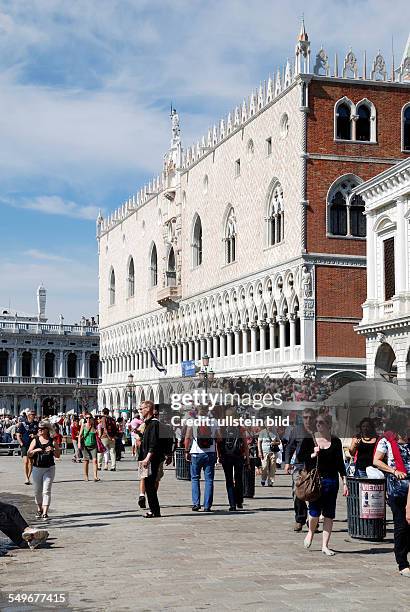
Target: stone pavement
(107,557)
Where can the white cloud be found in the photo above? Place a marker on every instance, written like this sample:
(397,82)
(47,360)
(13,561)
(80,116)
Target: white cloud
(55,205)
(41,255)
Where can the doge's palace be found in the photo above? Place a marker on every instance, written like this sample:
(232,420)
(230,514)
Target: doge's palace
(250,246)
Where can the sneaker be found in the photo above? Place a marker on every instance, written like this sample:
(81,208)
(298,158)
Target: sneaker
(113,469)
(263,483)
(239,506)
(141,501)
(232,508)
(39,514)
(45,517)
(34,537)
(297,527)
(405,572)
(270,483)
(195,508)
(207,510)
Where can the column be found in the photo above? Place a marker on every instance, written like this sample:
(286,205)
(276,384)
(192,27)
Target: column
(15,405)
(400,255)
(196,350)
(14,363)
(237,332)
(82,371)
(164,355)
(209,345)
(229,344)
(281,321)
(37,363)
(222,346)
(272,336)
(292,321)
(190,350)
(244,340)
(253,339)
(179,352)
(60,373)
(215,347)
(169,358)
(185,351)
(203,350)
(262,337)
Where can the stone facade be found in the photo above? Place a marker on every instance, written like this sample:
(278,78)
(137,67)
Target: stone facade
(386,311)
(249,266)
(44,365)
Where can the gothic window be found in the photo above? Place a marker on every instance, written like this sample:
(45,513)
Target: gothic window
(297,322)
(275,217)
(388,260)
(26,364)
(171,273)
(357,218)
(154,266)
(112,287)
(197,242)
(363,123)
(49,365)
(4,363)
(94,366)
(238,167)
(131,278)
(230,237)
(345,213)
(72,365)
(406,128)
(343,122)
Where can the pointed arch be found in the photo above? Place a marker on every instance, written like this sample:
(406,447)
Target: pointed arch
(130,278)
(344,211)
(344,111)
(153,265)
(111,287)
(405,127)
(230,236)
(196,241)
(365,128)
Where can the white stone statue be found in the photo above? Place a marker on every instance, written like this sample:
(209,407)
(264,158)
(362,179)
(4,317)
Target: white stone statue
(306,282)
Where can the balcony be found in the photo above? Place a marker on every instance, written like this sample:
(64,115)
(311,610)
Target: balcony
(39,380)
(171,293)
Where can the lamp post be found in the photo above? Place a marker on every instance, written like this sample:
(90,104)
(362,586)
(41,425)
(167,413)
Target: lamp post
(206,374)
(130,389)
(34,397)
(77,394)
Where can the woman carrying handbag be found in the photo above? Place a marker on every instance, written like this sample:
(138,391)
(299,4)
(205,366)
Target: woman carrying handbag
(325,452)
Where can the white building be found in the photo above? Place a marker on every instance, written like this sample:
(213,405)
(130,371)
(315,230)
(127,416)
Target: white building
(49,366)
(386,311)
(242,248)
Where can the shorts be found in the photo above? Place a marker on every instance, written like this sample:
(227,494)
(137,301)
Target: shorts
(160,473)
(24,450)
(326,504)
(89,454)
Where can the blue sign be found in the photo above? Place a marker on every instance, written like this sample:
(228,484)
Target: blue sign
(188,368)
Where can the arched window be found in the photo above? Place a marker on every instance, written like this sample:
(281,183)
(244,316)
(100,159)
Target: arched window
(275,217)
(197,242)
(26,362)
(406,128)
(171,269)
(343,122)
(4,363)
(230,237)
(72,365)
(363,123)
(112,287)
(49,365)
(345,213)
(154,266)
(297,321)
(131,278)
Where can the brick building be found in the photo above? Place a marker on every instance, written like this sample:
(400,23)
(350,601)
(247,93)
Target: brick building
(250,246)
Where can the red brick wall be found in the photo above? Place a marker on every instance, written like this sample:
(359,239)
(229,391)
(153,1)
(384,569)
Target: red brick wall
(340,292)
(338,340)
(320,140)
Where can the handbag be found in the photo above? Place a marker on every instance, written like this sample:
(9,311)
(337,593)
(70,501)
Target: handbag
(396,487)
(274,448)
(308,486)
(100,446)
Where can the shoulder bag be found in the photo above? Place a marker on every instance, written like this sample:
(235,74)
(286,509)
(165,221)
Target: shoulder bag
(308,486)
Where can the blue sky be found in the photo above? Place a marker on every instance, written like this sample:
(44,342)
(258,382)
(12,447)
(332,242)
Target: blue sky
(85,90)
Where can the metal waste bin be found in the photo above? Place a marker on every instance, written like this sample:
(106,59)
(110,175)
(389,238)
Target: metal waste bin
(182,466)
(366,508)
(249,479)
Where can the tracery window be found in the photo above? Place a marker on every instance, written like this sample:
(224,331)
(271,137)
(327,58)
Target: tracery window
(345,212)
(275,217)
(230,237)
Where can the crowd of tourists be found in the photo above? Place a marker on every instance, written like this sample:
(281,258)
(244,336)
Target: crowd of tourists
(311,454)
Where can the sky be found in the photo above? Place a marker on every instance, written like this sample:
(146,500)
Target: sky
(85,92)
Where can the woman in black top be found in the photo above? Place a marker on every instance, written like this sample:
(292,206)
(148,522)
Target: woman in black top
(328,449)
(363,446)
(43,449)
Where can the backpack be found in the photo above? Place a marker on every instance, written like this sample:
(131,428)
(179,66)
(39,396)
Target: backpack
(232,443)
(203,436)
(166,439)
(111,427)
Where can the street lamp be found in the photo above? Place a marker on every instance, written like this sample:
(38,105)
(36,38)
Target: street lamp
(206,375)
(34,397)
(130,389)
(77,394)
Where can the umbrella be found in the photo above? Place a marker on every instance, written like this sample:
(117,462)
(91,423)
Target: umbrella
(366,392)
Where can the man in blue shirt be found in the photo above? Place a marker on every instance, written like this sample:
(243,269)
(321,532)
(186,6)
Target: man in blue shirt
(26,431)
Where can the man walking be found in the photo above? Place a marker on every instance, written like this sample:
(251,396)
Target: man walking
(108,434)
(201,449)
(152,456)
(268,447)
(26,431)
(234,454)
(293,447)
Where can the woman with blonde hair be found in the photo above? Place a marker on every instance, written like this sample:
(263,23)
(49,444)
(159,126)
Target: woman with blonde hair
(43,449)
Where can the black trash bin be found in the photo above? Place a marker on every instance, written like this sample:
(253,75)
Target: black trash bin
(182,466)
(366,508)
(249,479)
